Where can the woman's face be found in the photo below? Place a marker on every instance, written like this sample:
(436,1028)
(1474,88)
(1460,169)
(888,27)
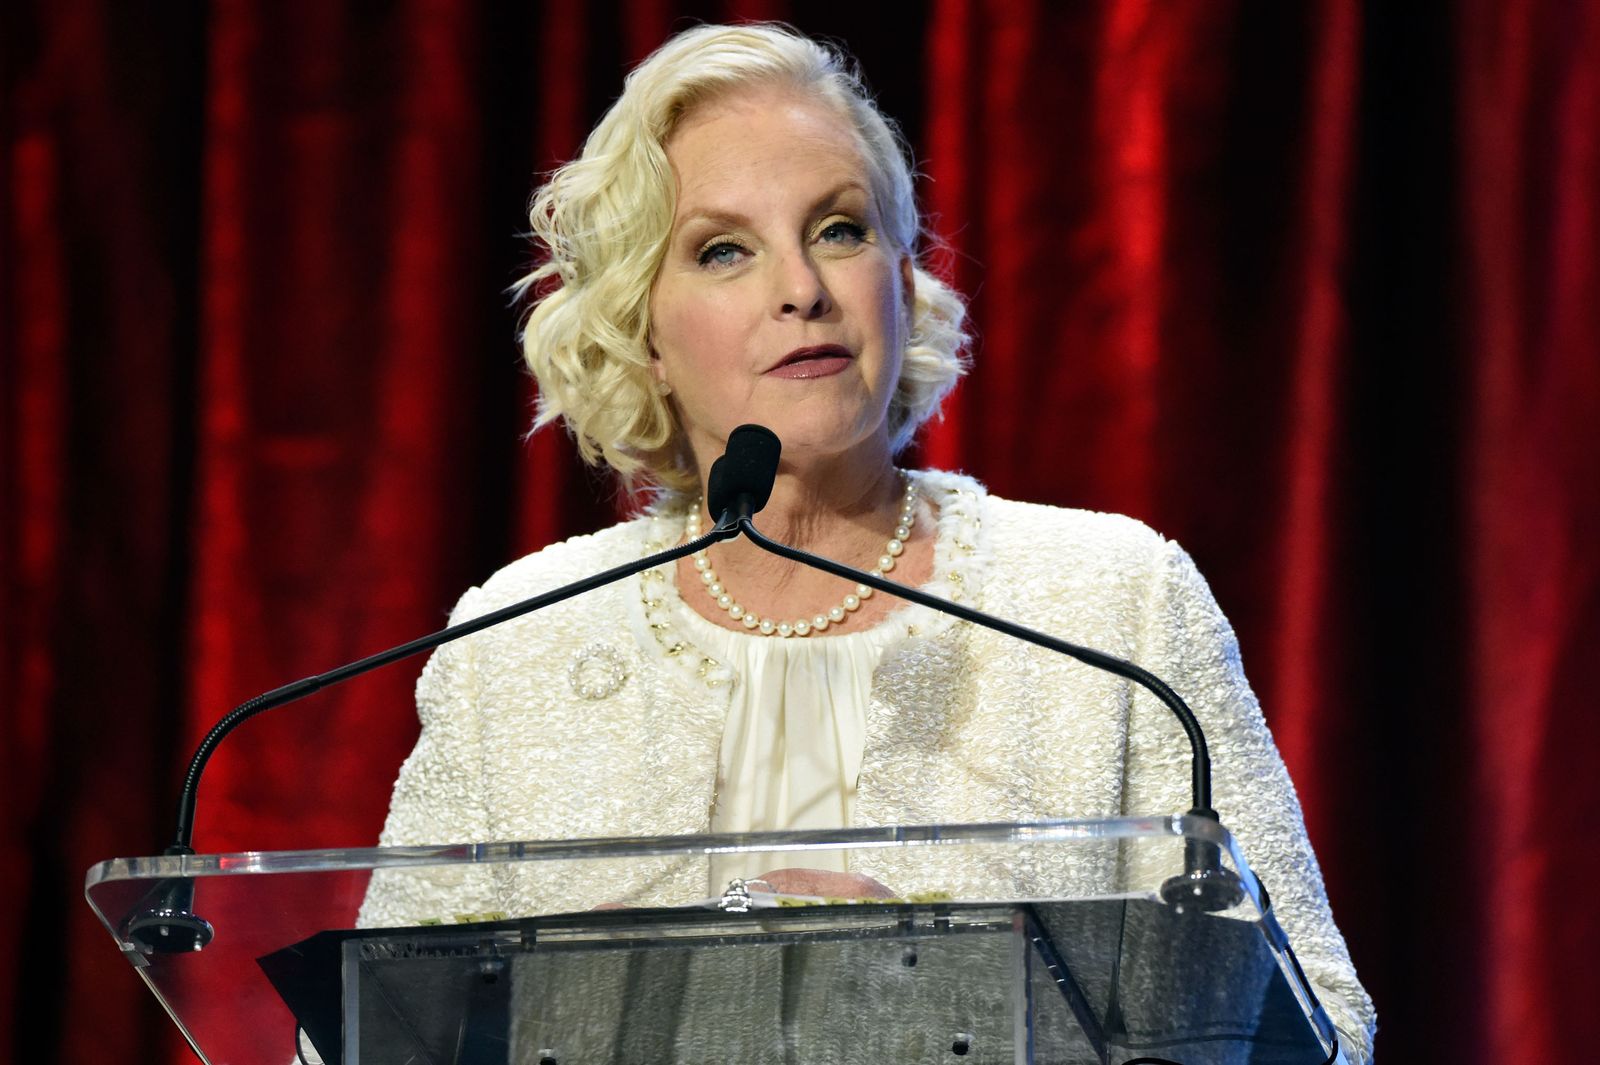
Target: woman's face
(780,300)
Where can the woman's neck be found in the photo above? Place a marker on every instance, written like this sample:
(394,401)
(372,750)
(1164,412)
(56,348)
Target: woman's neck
(845,509)
(811,509)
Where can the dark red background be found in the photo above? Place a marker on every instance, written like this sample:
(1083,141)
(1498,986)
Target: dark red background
(1310,287)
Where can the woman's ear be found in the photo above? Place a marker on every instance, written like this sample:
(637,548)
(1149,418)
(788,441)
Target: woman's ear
(659,374)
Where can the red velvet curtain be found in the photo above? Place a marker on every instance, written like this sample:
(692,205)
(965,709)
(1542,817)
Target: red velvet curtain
(1310,288)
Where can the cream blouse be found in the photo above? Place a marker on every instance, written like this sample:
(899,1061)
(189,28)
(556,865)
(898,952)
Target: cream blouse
(795,732)
(794,735)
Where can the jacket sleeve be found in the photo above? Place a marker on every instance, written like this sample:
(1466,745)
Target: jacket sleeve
(438,798)
(1188,642)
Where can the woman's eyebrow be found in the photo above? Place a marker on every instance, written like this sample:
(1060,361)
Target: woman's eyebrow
(723,217)
(714,215)
(839,191)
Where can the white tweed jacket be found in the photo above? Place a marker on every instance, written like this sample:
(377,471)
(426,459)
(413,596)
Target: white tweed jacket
(598,717)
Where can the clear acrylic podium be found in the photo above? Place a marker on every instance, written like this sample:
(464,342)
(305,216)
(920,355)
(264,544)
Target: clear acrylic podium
(1049,942)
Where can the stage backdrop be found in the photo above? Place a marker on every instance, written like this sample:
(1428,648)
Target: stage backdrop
(1309,287)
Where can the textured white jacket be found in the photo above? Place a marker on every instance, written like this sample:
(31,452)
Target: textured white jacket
(597,717)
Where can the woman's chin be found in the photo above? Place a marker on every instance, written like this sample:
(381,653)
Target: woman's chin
(813,444)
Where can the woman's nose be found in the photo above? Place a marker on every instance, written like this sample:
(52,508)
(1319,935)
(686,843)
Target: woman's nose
(800,291)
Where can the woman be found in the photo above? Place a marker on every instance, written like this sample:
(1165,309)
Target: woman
(735,244)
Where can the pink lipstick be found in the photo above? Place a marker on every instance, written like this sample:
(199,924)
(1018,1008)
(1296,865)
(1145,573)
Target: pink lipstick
(824,360)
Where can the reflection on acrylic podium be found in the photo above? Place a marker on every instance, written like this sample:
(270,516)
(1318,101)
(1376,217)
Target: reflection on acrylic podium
(1061,942)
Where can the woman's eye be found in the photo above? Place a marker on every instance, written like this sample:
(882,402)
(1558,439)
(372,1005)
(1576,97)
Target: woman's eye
(842,232)
(722,253)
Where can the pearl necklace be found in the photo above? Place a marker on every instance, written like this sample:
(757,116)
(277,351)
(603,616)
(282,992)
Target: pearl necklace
(819,623)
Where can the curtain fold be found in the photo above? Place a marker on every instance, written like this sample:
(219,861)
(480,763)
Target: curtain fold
(336,355)
(1529,151)
(1309,288)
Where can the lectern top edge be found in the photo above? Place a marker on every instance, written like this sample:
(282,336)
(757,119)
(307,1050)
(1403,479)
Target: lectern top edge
(244,863)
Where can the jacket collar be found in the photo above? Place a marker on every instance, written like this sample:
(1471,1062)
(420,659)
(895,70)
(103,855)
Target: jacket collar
(960,562)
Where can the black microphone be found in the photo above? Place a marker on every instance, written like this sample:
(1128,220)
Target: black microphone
(1204,884)
(740,482)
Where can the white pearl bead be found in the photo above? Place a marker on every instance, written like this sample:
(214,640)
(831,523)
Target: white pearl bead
(702,562)
(735,611)
(785,629)
(852,602)
(724,600)
(902,531)
(750,621)
(886,563)
(716,589)
(802,627)
(894,547)
(767,626)
(709,576)
(864,591)
(820,623)
(836,614)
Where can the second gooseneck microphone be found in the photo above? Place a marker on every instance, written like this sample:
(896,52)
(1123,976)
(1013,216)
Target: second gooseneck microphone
(740,484)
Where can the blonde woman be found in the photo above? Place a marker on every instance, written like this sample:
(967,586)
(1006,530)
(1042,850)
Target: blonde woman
(737,243)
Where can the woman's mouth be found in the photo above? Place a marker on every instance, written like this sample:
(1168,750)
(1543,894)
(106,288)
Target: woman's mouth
(824,360)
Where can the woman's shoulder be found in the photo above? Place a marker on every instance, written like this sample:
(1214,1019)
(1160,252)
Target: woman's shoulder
(1051,532)
(1045,532)
(557,564)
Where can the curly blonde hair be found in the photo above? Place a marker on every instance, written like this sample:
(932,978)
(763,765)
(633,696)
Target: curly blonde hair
(604,220)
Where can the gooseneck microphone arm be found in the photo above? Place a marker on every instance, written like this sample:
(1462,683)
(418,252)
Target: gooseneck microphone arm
(164,921)
(1201,758)
(740,485)
(184,835)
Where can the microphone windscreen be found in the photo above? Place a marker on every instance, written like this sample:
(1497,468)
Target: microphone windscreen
(747,468)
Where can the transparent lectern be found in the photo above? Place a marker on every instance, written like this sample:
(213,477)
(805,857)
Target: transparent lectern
(1049,942)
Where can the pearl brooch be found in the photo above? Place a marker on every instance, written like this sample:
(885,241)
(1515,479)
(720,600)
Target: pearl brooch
(754,623)
(598,671)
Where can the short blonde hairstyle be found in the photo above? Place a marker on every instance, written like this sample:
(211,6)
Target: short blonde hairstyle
(604,220)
